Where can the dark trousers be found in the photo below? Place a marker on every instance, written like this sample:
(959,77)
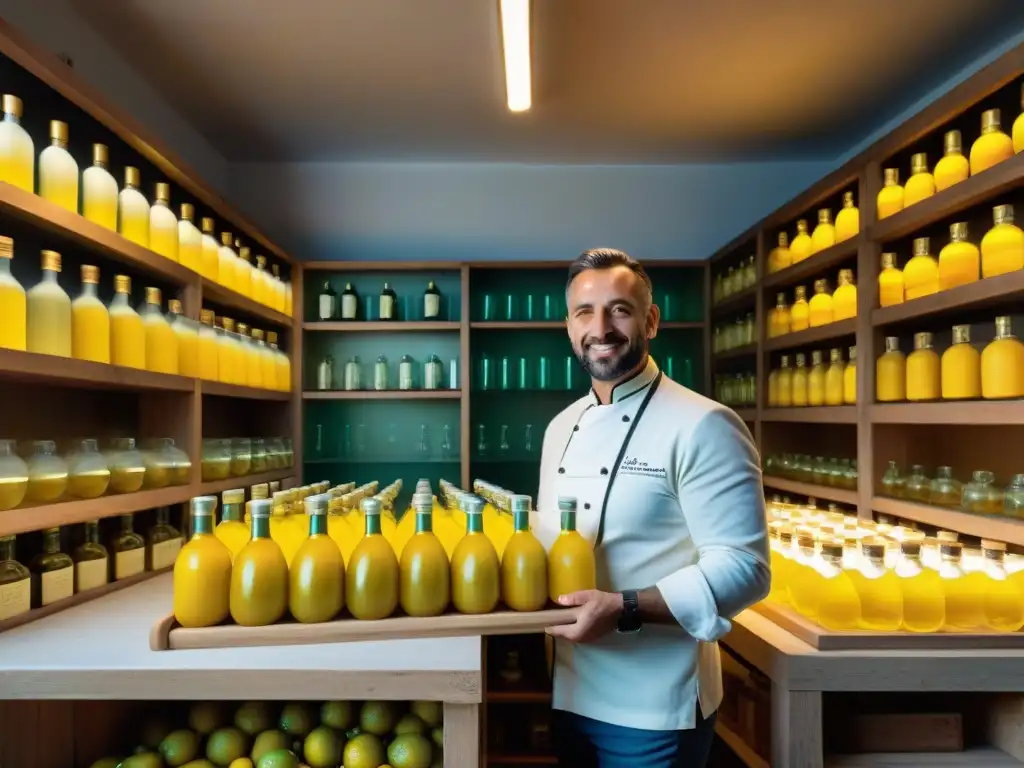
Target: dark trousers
(584,743)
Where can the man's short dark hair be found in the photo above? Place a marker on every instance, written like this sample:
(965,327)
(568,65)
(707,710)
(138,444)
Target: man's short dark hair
(607,258)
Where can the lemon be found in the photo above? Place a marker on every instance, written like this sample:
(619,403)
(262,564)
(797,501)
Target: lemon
(378,717)
(205,717)
(107,762)
(254,717)
(410,724)
(268,741)
(143,760)
(179,747)
(242,762)
(279,758)
(296,719)
(226,745)
(336,714)
(430,712)
(410,750)
(322,748)
(364,751)
(201,763)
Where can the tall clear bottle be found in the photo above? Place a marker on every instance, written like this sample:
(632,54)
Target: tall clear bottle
(129,551)
(133,209)
(13,307)
(210,259)
(163,226)
(99,190)
(161,341)
(49,312)
(53,572)
(190,240)
(91,560)
(17,152)
(127,333)
(58,171)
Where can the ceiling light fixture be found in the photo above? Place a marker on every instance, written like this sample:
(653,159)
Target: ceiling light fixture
(515,37)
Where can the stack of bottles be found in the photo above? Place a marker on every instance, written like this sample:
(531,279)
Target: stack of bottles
(851,574)
(733,334)
(961,373)
(240,456)
(737,390)
(52,574)
(981,496)
(733,280)
(129,213)
(819,470)
(388,306)
(233,353)
(351,555)
(824,307)
(38,474)
(430,375)
(826,234)
(821,383)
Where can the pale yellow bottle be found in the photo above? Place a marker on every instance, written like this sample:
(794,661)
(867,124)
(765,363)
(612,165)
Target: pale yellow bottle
(878,587)
(211,251)
(824,235)
(190,240)
(99,190)
(850,379)
(816,379)
(244,272)
(1002,247)
(163,227)
(798,383)
(964,591)
(17,152)
(848,219)
(226,258)
(890,196)
(800,247)
(1004,601)
(835,379)
(232,530)
(267,358)
(284,365)
(260,284)
(230,362)
(953,167)
(287,306)
(58,171)
(921,183)
(133,209)
(208,346)
(161,343)
(49,312)
(282,302)
(187,333)
(253,366)
(779,257)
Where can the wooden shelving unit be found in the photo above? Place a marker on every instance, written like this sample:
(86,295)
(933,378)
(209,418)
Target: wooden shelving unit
(385,394)
(820,492)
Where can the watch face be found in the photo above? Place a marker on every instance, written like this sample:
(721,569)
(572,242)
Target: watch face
(628,627)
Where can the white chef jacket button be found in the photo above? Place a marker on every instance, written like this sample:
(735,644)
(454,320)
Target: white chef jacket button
(604,470)
(625,418)
(586,505)
(576,428)
(561,470)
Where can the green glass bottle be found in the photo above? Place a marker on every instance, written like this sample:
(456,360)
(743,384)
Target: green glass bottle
(92,564)
(129,551)
(163,542)
(53,572)
(15,582)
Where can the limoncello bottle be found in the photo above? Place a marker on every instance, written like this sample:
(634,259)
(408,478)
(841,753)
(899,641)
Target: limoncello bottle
(259,575)
(524,563)
(161,342)
(53,572)
(133,209)
(13,309)
(780,545)
(99,190)
(127,333)
(839,606)
(317,574)
(244,271)
(1004,602)
(232,530)
(372,578)
(163,542)
(881,599)
(202,572)
(476,572)
(424,569)
(163,226)
(190,240)
(90,320)
(571,564)
(187,334)
(267,360)
(226,258)
(210,259)
(129,550)
(284,365)
(964,591)
(91,560)
(17,152)
(49,312)
(207,340)
(58,171)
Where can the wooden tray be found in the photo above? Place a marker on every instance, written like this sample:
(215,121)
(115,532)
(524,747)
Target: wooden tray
(167,634)
(863,640)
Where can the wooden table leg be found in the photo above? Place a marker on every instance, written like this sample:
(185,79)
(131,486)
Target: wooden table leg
(461,735)
(796,729)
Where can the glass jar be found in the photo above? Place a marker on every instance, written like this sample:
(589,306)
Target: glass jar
(739,332)
(88,472)
(259,455)
(47,473)
(918,486)
(982,496)
(127,467)
(275,453)
(172,462)
(836,470)
(1013,499)
(716,340)
(158,465)
(748,329)
(893,483)
(13,476)
(804,469)
(945,490)
(749,273)
(289,454)
(216,461)
(850,475)
(819,471)
(729,285)
(241,457)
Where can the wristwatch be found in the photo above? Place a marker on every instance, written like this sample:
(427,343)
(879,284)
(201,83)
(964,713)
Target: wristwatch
(629,621)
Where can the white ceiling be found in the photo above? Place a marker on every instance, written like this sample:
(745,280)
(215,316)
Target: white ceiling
(614,80)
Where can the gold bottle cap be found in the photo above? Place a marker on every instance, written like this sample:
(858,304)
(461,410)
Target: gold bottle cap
(243,253)
(122,284)
(832,548)
(910,547)
(824,216)
(238,243)
(958,232)
(892,344)
(846,277)
(888,261)
(821,285)
(922,340)
(919,163)
(188,212)
(132,177)
(153,295)
(847,199)
(271,337)
(1004,326)
(51,260)
(801,360)
(784,361)
(853,354)
(953,143)
(873,548)
(950,549)
(780,299)
(961,334)
(800,292)
(208,225)
(242,329)
(59,131)
(276,270)
(892,177)
(163,192)
(1002,214)
(947,536)
(226,239)
(206,317)
(227,324)
(801,227)
(994,547)
(783,240)
(174,306)
(261,262)
(100,155)
(258,492)
(835,355)
(922,246)
(12,105)
(234,496)
(257,334)
(990,121)
(816,357)
(6,247)
(90,274)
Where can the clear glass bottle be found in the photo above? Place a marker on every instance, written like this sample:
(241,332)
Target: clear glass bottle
(129,551)
(53,572)
(431,302)
(17,152)
(13,476)
(88,472)
(163,225)
(15,580)
(91,560)
(349,303)
(259,455)
(126,464)
(133,209)
(945,490)
(406,379)
(387,306)
(982,496)
(918,485)
(217,459)
(58,171)
(433,373)
(380,373)
(163,542)
(327,303)
(49,311)
(354,374)
(47,473)
(241,456)
(1013,499)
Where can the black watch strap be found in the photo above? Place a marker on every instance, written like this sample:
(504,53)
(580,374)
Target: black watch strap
(629,621)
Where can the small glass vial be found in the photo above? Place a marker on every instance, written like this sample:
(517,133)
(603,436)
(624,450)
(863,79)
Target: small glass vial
(129,551)
(53,572)
(91,560)
(163,542)
(380,373)
(945,490)
(982,496)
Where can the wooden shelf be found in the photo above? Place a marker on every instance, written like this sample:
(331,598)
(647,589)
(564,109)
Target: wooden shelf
(386,394)
(988,292)
(983,526)
(747,414)
(737,302)
(83,374)
(381,326)
(744,351)
(220,389)
(827,492)
(214,487)
(743,751)
(225,297)
(515,325)
(812,335)
(825,414)
(814,266)
(975,757)
(995,412)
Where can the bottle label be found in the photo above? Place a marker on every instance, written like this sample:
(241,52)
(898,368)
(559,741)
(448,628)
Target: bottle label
(405,375)
(387,307)
(431,305)
(380,376)
(15,598)
(431,376)
(57,585)
(90,574)
(326,306)
(165,553)
(348,306)
(129,563)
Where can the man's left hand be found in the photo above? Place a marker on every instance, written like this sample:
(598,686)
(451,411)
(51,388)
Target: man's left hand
(598,615)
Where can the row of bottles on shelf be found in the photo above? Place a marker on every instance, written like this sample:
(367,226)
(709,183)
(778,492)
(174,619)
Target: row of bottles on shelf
(741,332)
(834,383)
(851,574)
(359,444)
(824,307)
(960,261)
(331,307)
(39,475)
(737,390)
(819,470)
(981,496)
(537,373)
(429,376)
(53,575)
(826,234)
(337,556)
(240,456)
(961,373)
(734,280)
(129,212)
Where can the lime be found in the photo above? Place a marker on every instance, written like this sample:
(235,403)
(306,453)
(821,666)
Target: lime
(205,717)
(107,762)
(178,747)
(410,724)
(378,717)
(268,741)
(336,714)
(254,717)
(322,748)
(296,719)
(437,734)
(430,712)
(226,745)
(143,760)
(364,751)
(279,758)
(410,750)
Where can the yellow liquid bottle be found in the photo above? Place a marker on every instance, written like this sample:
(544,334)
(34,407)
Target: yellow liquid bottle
(230,363)
(824,235)
(282,293)
(780,547)
(816,379)
(848,219)
(244,272)
(961,367)
(891,373)
(210,258)
(58,171)
(923,370)
(953,167)
(251,356)
(921,273)
(798,382)
(425,571)
(260,287)
(964,591)
(524,564)
(161,342)
(890,196)
(890,282)
(190,240)
(13,304)
(90,321)
(835,378)
(187,334)
(820,307)
(208,346)
(921,590)
(259,575)
(127,333)
(1004,600)
(785,383)
(476,571)
(226,258)
(286,301)
(850,379)
(232,530)
(881,600)
(800,247)
(267,360)
(571,563)
(99,190)
(773,389)
(779,258)
(317,574)
(1002,247)
(921,183)
(133,209)
(1002,364)
(800,312)
(163,227)
(202,572)
(805,580)
(778,322)
(959,260)
(844,299)
(13,476)
(17,152)
(992,146)
(49,312)
(839,606)
(284,366)
(372,578)
(1018,127)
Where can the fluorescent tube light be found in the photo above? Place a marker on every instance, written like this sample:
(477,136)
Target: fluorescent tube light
(515,37)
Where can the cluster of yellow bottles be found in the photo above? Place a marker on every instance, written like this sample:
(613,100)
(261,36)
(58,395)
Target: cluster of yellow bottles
(94,194)
(806,243)
(960,373)
(234,353)
(824,307)
(831,383)
(850,574)
(991,147)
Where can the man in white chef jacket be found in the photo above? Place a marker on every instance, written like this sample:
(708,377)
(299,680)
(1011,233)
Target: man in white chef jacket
(668,490)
